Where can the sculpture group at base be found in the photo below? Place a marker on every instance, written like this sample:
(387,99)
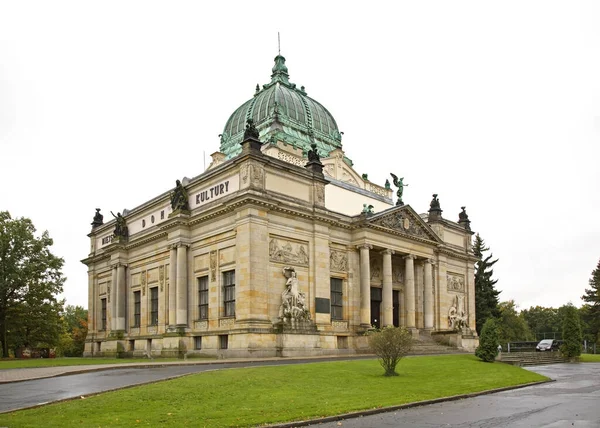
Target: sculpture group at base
(293,301)
(457,317)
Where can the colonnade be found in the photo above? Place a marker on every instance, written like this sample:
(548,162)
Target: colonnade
(387,291)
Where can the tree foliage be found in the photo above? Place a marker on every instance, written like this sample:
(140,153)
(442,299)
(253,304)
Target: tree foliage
(486,295)
(488,341)
(512,326)
(542,321)
(30,280)
(390,345)
(592,299)
(75,326)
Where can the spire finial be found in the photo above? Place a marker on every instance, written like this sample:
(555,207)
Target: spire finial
(278,44)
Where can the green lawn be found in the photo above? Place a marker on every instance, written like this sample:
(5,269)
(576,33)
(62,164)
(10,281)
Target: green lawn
(56,362)
(249,397)
(590,358)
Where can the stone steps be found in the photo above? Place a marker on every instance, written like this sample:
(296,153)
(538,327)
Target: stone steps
(531,358)
(425,345)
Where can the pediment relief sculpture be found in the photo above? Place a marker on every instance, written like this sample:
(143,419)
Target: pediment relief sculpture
(455,283)
(404,222)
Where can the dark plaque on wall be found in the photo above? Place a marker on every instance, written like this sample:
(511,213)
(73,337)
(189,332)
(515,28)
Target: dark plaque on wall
(322,306)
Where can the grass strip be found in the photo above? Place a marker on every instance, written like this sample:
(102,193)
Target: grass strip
(590,358)
(60,362)
(258,396)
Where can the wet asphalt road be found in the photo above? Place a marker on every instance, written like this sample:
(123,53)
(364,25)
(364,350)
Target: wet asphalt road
(30,393)
(572,401)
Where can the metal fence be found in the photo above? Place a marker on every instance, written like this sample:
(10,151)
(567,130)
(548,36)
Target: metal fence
(588,348)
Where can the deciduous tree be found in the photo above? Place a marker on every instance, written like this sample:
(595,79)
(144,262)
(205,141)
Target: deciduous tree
(390,345)
(512,327)
(30,280)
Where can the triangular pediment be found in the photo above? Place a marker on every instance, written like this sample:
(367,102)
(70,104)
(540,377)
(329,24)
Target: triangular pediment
(405,220)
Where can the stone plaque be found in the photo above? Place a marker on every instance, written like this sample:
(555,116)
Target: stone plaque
(455,282)
(322,306)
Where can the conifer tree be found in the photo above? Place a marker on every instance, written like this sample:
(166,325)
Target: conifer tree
(486,295)
(592,298)
(488,341)
(571,333)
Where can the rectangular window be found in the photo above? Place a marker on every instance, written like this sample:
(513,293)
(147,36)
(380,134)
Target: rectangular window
(229,293)
(103,316)
(137,304)
(198,342)
(337,312)
(223,341)
(203,298)
(154,306)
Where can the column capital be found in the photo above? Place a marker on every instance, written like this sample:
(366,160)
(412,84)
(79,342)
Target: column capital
(430,261)
(365,246)
(387,251)
(409,256)
(118,265)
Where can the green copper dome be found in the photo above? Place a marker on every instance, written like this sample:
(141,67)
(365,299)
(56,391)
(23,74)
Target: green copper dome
(283,112)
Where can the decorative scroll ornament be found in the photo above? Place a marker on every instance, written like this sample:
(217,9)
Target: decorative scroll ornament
(213,266)
(161,277)
(457,317)
(338,261)
(375,270)
(143,280)
(293,301)
(287,253)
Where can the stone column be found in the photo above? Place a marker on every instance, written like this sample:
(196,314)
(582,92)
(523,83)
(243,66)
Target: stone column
(112,297)
(182,285)
(365,286)
(388,305)
(409,284)
(419,265)
(121,294)
(173,286)
(428,295)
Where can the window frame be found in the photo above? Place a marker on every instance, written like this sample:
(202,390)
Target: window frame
(203,297)
(229,293)
(336,301)
(103,314)
(153,302)
(137,309)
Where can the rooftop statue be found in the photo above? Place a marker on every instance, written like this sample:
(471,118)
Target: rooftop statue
(463,218)
(98,219)
(399,183)
(120,226)
(367,209)
(313,154)
(179,197)
(435,203)
(251,132)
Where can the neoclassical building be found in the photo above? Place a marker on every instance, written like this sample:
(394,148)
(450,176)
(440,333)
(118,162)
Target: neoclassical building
(279,248)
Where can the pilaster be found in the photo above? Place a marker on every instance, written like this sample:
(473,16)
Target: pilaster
(365,286)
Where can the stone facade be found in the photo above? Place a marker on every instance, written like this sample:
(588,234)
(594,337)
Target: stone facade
(274,256)
(209,281)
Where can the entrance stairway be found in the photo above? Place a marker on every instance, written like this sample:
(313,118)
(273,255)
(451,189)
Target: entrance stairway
(425,345)
(531,358)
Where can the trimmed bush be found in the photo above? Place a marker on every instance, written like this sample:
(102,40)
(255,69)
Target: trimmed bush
(488,342)
(571,333)
(390,345)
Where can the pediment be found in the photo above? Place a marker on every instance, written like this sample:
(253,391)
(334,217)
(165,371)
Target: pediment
(405,220)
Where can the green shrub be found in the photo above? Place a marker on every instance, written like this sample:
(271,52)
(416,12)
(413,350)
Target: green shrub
(488,342)
(571,333)
(390,345)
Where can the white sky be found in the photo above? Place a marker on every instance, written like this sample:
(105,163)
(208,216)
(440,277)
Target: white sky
(495,106)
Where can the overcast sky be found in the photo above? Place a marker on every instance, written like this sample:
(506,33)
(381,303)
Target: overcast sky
(495,106)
